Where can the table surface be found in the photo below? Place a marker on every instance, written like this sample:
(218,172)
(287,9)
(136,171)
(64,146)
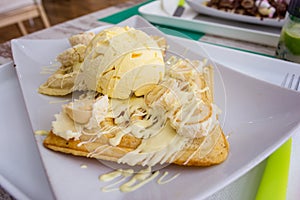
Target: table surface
(90,21)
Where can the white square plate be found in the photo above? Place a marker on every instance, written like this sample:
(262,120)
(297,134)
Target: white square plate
(21,165)
(259,118)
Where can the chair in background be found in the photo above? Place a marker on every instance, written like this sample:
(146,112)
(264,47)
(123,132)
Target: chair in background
(17,11)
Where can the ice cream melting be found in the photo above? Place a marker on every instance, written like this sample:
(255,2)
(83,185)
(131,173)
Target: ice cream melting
(120,61)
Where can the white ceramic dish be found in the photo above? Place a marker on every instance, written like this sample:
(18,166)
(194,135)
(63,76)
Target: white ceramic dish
(191,20)
(21,166)
(21,180)
(199,6)
(251,120)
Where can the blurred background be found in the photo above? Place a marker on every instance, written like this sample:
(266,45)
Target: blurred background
(56,11)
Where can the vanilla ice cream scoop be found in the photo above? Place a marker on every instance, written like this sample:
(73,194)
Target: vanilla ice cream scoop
(120,61)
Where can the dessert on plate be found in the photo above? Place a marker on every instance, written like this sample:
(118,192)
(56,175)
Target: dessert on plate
(135,106)
(275,9)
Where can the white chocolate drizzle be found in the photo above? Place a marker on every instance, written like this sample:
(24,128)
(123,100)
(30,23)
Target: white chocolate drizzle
(41,132)
(166,119)
(162,180)
(60,101)
(83,166)
(131,181)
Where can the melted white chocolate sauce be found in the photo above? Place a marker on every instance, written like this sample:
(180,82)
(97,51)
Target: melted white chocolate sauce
(166,119)
(41,132)
(83,166)
(165,126)
(60,101)
(162,180)
(136,181)
(50,69)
